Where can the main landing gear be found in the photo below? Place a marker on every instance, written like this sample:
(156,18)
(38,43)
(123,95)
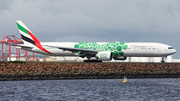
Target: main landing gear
(92,60)
(162,61)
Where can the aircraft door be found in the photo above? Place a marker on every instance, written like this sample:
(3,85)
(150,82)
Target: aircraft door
(158,49)
(136,48)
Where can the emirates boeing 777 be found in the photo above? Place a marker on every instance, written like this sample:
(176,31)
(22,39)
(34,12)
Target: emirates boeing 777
(102,51)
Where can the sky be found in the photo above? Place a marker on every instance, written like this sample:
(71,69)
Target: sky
(95,20)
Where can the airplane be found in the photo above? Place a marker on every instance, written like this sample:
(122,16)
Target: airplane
(102,51)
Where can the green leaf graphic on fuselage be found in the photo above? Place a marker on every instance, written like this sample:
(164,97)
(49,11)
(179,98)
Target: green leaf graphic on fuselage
(119,48)
(122,43)
(76,46)
(116,47)
(115,53)
(125,47)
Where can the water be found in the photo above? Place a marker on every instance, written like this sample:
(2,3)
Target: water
(167,89)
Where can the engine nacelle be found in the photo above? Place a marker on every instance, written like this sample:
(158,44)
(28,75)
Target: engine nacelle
(120,58)
(104,55)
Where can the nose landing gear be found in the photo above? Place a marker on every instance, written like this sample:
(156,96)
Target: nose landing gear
(162,61)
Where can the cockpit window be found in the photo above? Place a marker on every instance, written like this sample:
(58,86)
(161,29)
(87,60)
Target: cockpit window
(170,47)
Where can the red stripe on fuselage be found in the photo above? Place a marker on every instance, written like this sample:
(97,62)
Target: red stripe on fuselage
(38,43)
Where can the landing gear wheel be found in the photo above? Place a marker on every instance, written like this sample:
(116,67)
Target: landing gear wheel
(92,60)
(162,60)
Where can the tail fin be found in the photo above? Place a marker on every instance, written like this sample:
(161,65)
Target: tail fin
(27,36)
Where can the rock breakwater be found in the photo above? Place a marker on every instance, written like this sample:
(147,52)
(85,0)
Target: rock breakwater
(42,71)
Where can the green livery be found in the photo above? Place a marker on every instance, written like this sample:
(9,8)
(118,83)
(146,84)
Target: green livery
(115,47)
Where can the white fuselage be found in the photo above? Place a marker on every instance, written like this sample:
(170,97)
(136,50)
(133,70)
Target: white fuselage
(148,50)
(135,49)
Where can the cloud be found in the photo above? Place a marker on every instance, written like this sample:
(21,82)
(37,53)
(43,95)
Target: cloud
(102,20)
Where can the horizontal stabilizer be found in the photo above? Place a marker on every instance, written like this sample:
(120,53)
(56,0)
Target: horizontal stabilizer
(22,46)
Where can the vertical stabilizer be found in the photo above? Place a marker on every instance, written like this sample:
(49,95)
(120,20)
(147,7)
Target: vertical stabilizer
(27,36)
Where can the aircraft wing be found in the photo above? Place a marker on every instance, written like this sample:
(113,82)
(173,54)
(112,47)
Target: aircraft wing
(76,49)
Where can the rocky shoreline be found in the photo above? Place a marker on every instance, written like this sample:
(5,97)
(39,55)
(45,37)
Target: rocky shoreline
(49,71)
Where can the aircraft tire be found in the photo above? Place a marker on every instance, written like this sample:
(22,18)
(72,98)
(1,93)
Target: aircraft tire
(92,60)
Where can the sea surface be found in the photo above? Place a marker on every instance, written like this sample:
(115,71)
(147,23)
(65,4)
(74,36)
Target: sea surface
(154,89)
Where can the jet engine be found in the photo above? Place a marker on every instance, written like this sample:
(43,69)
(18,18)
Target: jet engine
(120,58)
(104,55)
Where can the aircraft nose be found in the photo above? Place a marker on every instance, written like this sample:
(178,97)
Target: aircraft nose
(174,51)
